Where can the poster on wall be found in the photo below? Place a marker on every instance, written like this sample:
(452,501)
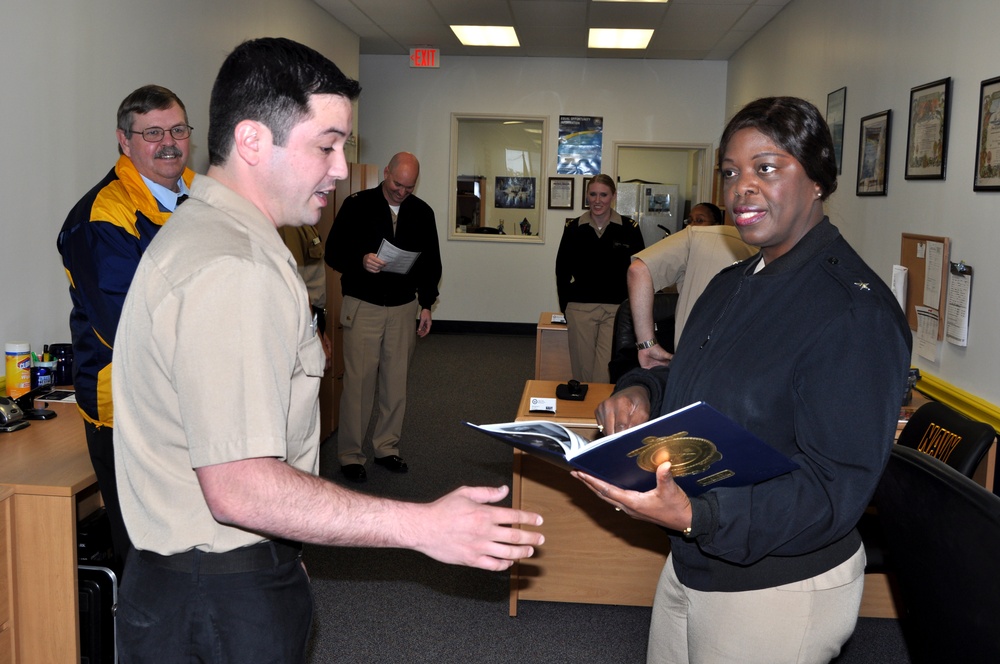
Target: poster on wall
(514,193)
(580,142)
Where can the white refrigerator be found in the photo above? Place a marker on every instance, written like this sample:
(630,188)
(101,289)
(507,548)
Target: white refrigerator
(657,207)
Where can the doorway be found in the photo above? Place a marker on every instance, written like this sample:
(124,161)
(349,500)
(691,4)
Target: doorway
(687,165)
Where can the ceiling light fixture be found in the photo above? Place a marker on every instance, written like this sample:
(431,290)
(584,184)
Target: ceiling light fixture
(615,38)
(485,35)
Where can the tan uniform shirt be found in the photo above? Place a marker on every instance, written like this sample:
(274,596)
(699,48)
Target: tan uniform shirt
(690,258)
(216,361)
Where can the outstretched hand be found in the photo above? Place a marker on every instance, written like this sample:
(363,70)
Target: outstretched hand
(461,528)
(665,505)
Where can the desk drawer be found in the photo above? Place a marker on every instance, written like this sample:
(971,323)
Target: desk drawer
(5,571)
(6,621)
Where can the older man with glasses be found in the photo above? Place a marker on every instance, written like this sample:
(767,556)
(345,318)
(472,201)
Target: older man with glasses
(101,242)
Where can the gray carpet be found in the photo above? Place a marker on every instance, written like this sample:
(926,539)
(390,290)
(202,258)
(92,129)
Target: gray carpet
(377,605)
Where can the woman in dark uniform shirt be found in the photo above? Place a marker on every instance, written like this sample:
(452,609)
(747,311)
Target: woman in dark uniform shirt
(591,270)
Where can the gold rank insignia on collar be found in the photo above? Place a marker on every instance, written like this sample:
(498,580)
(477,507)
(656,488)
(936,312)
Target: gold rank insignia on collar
(862,285)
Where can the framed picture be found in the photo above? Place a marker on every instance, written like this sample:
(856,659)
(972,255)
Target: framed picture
(873,154)
(514,192)
(836,102)
(561,193)
(927,131)
(585,205)
(988,138)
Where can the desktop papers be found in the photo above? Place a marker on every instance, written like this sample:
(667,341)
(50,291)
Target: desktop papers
(396,260)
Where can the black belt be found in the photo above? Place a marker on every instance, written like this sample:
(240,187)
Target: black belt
(263,555)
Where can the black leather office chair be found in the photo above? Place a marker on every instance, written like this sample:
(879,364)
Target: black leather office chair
(948,435)
(941,432)
(624,355)
(942,531)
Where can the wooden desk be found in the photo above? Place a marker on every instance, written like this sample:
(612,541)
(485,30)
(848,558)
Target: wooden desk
(46,483)
(592,554)
(551,350)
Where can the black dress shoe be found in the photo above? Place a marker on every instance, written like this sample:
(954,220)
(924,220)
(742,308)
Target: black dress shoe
(354,472)
(393,463)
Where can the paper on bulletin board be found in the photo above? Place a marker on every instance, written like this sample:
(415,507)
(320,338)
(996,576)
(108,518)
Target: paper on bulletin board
(927,329)
(899,284)
(957,310)
(932,276)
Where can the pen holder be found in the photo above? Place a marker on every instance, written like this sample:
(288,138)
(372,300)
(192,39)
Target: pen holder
(43,373)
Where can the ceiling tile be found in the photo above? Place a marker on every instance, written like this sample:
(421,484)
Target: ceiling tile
(684,29)
(550,13)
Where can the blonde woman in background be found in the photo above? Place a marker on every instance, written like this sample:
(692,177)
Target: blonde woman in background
(591,269)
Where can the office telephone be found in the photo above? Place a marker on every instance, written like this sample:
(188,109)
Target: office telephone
(15,412)
(11,415)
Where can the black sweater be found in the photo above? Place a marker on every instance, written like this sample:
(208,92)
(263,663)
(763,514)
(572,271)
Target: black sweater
(811,354)
(363,221)
(594,269)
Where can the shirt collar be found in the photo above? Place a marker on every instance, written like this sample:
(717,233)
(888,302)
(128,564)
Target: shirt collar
(163,196)
(616,218)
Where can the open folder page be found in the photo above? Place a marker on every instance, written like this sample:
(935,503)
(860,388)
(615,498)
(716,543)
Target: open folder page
(706,449)
(396,260)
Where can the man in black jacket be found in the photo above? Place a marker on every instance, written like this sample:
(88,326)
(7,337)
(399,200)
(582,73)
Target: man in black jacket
(377,312)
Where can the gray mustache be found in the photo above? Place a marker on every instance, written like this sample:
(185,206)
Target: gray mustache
(168,151)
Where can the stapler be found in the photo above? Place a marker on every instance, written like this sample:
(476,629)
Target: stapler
(573,390)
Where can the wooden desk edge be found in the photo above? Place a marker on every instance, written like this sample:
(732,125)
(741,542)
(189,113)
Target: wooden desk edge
(515,495)
(45,470)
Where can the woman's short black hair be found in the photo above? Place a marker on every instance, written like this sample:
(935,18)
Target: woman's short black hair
(796,126)
(717,218)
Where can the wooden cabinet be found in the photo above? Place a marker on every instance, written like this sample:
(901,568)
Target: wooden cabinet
(552,349)
(6,582)
(592,554)
(46,483)
(469,203)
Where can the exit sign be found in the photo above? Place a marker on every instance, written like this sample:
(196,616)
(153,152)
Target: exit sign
(425,57)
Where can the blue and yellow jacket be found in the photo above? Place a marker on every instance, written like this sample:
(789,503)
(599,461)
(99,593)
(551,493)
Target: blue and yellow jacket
(101,242)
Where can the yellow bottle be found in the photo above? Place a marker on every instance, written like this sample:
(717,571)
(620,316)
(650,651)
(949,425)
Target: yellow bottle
(18,369)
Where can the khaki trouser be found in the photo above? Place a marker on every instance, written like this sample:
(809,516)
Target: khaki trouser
(805,622)
(378,346)
(591,328)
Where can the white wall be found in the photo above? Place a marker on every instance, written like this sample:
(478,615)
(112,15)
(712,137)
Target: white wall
(68,64)
(880,50)
(410,109)
(66,67)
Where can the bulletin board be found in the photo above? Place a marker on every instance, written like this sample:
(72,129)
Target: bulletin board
(913,257)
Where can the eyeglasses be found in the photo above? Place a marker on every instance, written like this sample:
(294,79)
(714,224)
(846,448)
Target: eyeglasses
(156,134)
